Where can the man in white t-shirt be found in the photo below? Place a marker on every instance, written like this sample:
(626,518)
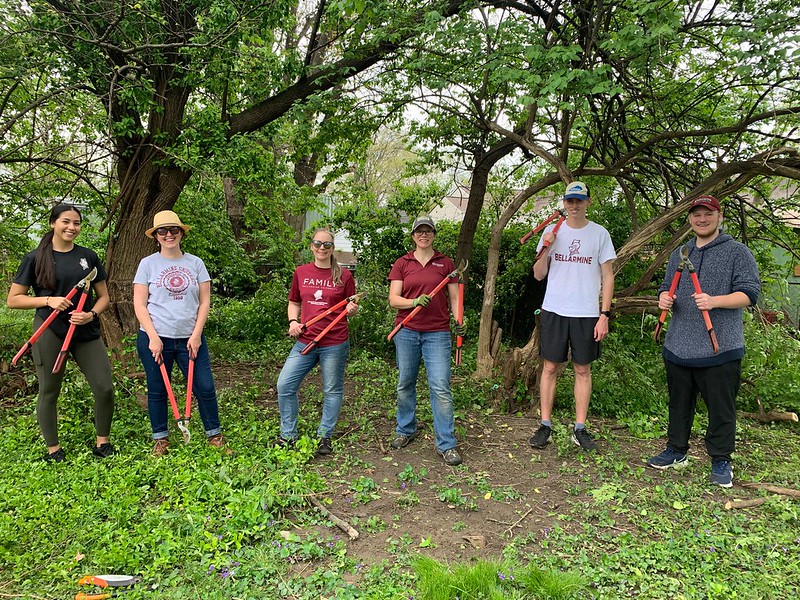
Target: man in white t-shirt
(577,264)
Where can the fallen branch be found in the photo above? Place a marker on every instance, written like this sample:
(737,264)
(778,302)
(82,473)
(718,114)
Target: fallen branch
(731,504)
(768,417)
(775,489)
(338,521)
(510,530)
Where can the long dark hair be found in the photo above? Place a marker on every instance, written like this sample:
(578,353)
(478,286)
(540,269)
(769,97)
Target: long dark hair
(45,262)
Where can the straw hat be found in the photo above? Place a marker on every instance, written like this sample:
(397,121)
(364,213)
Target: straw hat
(165,218)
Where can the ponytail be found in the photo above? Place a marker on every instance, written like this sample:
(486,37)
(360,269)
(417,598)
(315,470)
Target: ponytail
(336,271)
(45,264)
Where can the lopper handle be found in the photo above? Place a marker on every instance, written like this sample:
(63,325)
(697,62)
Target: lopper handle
(706,317)
(416,309)
(460,321)
(546,243)
(37,334)
(189,381)
(62,355)
(322,333)
(170,393)
(663,317)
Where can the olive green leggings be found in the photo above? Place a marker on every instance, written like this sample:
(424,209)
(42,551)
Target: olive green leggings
(92,359)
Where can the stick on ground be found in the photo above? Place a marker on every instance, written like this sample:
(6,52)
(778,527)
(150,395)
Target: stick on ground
(339,522)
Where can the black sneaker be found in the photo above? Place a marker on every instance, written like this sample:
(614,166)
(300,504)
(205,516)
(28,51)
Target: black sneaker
(56,457)
(103,450)
(284,443)
(325,447)
(668,459)
(401,440)
(582,438)
(541,438)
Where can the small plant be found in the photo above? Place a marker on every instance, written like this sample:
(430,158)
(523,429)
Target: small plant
(409,476)
(408,500)
(365,490)
(455,497)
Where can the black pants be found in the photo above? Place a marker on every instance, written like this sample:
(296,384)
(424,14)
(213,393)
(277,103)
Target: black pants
(718,386)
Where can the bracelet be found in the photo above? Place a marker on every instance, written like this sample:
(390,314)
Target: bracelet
(94,315)
(297,320)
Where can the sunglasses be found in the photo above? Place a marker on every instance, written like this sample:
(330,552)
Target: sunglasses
(174,230)
(321,244)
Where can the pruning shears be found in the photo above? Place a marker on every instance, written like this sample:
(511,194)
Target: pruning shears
(332,324)
(182,422)
(52,316)
(110,586)
(686,263)
(462,266)
(85,284)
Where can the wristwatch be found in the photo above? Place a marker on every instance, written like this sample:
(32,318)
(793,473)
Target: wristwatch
(607,313)
(294,321)
(94,315)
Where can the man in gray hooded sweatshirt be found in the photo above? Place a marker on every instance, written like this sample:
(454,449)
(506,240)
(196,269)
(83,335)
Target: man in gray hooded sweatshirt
(729,281)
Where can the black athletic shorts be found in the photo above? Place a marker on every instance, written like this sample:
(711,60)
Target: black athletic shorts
(560,334)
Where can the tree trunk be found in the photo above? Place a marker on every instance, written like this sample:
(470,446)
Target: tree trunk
(150,189)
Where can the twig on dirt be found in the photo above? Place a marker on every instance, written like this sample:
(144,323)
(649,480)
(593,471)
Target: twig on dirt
(775,489)
(380,443)
(498,522)
(338,521)
(731,504)
(510,529)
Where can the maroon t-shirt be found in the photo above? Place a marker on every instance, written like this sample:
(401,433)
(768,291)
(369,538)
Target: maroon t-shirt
(313,289)
(418,280)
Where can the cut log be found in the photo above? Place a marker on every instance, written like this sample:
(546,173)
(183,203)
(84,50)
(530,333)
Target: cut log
(731,504)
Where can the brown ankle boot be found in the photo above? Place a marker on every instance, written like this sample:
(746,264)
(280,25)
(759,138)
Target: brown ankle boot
(219,441)
(161,447)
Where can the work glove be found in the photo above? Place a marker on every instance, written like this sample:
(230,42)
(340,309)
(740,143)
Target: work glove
(422,300)
(460,329)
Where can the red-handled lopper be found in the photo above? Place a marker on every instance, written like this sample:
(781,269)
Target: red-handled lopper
(459,270)
(52,316)
(174,403)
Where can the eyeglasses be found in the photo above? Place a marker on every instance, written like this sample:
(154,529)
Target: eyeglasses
(321,244)
(174,230)
(424,232)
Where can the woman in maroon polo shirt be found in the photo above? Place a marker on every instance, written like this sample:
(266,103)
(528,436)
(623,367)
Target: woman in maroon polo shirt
(425,337)
(316,287)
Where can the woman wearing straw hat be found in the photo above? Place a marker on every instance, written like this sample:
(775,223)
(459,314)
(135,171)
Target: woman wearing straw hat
(171,298)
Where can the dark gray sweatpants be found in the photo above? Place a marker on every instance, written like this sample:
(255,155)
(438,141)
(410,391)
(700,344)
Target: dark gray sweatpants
(92,359)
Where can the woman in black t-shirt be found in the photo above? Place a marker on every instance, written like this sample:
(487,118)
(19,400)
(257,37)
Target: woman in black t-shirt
(51,271)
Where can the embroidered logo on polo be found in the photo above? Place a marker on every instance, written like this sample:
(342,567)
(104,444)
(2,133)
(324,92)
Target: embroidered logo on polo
(574,255)
(176,280)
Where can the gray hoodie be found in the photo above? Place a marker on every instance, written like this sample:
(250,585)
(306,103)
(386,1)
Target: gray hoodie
(723,266)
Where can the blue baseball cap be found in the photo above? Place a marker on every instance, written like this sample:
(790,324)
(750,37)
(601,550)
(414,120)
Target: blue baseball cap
(578,190)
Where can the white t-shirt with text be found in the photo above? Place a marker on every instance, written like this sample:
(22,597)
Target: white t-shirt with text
(574,276)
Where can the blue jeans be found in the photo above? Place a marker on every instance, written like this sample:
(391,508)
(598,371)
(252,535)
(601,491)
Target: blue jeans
(202,387)
(434,348)
(332,360)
